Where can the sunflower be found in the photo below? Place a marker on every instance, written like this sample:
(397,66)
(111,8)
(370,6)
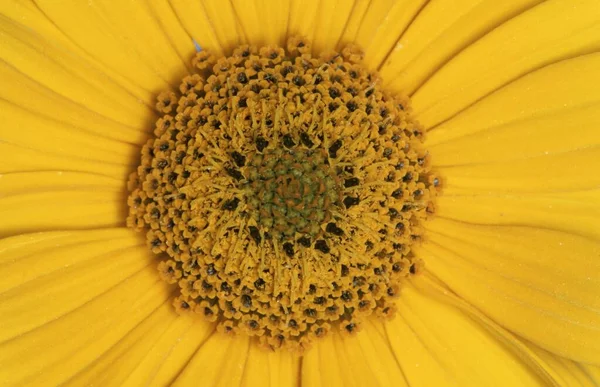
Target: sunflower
(370,193)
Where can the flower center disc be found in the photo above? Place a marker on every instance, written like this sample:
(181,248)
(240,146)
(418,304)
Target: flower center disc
(283,193)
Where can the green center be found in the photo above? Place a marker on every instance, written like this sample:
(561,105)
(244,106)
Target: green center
(291,193)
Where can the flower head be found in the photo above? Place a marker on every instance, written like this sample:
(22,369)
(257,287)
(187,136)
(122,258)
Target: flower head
(255,203)
(286,190)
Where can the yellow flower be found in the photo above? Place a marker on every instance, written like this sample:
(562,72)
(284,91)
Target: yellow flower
(507,91)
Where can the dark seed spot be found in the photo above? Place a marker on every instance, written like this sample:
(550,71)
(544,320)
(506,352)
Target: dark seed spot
(234,173)
(225,287)
(156,242)
(247,301)
(261,143)
(238,158)
(197,154)
(345,270)
(350,327)
(397,194)
(298,81)
(185,305)
(304,241)
(289,249)
(259,284)
(412,269)
(400,227)
(210,270)
(292,324)
(231,204)
(334,229)
(352,106)
(319,300)
(286,70)
(242,78)
(288,142)
(155,213)
(334,148)
(255,234)
(321,245)
(350,201)
(352,182)
(333,92)
(306,140)
(310,312)
(408,177)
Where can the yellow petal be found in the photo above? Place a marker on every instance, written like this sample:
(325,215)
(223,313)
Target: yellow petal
(534,281)
(53,77)
(18,158)
(197,24)
(330,21)
(127,351)
(171,353)
(23,128)
(69,297)
(178,37)
(567,372)
(438,345)
(302,17)
(127,39)
(354,22)
(271,369)
(314,373)
(550,32)
(31,278)
(42,201)
(151,354)
(382,25)
(219,361)
(224,23)
(441,30)
(552,110)
(593,372)
(571,212)
(262,22)
(574,170)
(362,360)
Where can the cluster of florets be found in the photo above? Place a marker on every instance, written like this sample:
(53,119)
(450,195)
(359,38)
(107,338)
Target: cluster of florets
(284,192)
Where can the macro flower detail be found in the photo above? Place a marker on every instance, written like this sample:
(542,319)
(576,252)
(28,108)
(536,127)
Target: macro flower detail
(287,191)
(187,187)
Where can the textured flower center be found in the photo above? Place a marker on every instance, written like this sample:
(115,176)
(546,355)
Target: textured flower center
(283,193)
(291,191)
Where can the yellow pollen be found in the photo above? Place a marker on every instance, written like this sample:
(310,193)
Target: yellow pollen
(283,193)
